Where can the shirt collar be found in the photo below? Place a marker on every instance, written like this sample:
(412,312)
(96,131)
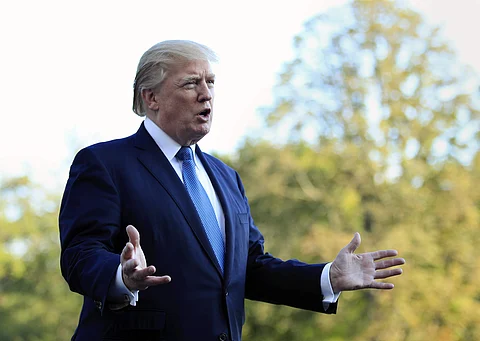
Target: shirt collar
(167,145)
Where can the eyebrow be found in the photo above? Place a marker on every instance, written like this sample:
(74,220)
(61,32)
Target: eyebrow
(197,77)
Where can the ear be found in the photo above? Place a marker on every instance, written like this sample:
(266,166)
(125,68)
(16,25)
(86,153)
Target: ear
(150,99)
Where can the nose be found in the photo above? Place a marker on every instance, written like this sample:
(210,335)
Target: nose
(205,93)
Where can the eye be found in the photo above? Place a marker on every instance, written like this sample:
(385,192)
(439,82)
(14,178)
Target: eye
(190,84)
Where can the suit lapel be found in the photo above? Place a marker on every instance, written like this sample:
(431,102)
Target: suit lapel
(214,175)
(152,158)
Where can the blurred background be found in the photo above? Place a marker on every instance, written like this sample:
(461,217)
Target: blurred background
(363,116)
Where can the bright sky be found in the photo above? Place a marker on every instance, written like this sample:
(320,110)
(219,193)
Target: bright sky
(67,68)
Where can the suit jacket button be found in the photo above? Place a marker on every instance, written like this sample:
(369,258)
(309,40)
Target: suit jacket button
(222,337)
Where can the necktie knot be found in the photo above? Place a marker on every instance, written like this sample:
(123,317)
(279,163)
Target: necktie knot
(185,154)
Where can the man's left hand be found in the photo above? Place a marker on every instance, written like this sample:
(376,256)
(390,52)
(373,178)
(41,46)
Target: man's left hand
(350,271)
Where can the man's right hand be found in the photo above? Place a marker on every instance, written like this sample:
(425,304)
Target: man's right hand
(135,272)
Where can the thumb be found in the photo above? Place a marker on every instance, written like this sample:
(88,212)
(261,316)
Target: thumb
(133,236)
(354,243)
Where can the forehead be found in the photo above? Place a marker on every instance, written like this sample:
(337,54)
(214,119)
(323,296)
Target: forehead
(191,68)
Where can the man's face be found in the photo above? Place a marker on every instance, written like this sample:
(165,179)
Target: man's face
(185,101)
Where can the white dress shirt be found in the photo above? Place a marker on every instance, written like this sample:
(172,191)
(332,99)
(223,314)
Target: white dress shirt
(118,291)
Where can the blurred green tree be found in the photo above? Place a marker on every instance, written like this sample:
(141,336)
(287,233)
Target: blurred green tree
(35,302)
(376,126)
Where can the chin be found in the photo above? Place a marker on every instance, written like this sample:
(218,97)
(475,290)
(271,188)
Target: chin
(202,131)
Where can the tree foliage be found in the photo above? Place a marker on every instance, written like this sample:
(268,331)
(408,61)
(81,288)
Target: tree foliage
(375,74)
(318,198)
(382,130)
(35,303)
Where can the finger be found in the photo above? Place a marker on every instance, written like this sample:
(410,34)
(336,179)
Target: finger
(389,263)
(127,253)
(354,243)
(139,275)
(133,235)
(383,254)
(129,267)
(151,281)
(387,273)
(381,285)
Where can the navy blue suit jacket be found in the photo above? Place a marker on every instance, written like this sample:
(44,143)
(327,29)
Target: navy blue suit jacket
(130,181)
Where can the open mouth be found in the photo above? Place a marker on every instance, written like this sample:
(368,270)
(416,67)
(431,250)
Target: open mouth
(205,112)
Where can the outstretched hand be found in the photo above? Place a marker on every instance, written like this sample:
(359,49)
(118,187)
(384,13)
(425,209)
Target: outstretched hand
(350,271)
(135,272)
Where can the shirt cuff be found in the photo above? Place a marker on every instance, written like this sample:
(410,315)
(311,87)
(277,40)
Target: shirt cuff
(328,295)
(118,291)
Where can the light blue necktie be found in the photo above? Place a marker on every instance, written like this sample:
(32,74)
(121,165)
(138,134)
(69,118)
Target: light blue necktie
(202,203)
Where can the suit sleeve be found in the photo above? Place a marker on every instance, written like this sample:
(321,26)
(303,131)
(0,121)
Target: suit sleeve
(273,280)
(89,220)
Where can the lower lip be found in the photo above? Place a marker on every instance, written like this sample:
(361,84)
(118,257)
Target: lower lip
(204,118)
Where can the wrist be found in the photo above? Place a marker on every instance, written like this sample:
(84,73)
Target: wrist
(334,279)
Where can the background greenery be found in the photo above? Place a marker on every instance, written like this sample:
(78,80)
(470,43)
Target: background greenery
(376,129)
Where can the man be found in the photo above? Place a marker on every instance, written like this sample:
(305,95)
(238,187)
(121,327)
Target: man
(193,216)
